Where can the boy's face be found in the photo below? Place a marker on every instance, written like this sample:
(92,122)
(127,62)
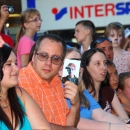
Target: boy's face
(80,33)
(71,70)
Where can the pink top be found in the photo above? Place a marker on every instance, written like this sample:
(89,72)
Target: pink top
(24,47)
(122,62)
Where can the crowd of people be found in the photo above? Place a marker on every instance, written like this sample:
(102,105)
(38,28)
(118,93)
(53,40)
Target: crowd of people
(32,94)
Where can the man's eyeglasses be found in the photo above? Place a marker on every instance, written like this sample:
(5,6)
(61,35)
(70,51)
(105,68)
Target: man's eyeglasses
(44,56)
(99,40)
(35,20)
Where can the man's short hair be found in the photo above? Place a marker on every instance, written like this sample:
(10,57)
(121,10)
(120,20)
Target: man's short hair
(88,24)
(51,37)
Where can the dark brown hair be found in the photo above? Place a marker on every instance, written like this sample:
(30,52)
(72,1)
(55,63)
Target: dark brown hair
(87,79)
(16,109)
(110,63)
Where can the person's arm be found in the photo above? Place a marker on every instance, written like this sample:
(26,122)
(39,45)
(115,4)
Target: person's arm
(24,60)
(85,124)
(2,42)
(33,111)
(4,14)
(123,98)
(118,108)
(72,93)
(124,101)
(127,108)
(100,115)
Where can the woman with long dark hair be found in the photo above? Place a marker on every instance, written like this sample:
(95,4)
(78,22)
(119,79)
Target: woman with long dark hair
(97,83)
(17,108)
(92,117)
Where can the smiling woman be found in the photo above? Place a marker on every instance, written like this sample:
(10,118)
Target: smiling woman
(15,103)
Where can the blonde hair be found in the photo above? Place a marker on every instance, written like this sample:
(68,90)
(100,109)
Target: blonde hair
(25,16)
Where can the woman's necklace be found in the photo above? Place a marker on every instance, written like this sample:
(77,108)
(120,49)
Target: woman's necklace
(4,106)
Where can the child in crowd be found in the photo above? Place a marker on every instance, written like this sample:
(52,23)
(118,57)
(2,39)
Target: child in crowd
(124,90)
(89,108)
(113,75)
(124,83)
(113,81)
(115,31)
(30,23)
(18,110)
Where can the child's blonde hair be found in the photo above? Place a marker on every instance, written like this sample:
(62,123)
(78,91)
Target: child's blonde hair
(25,16)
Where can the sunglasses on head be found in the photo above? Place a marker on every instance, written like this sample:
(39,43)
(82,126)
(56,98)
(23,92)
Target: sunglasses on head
(118,24)
(99,40)
(102,39)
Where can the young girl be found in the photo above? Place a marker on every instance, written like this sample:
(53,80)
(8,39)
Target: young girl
(124,90)
(124,83)
(18,110)
(91,114)
(113,81)
(113,76)
(30,23)
(115,31)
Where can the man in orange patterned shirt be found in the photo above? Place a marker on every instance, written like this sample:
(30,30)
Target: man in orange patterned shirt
(40,79)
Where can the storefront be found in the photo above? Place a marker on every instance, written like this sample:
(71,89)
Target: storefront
(60,15)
